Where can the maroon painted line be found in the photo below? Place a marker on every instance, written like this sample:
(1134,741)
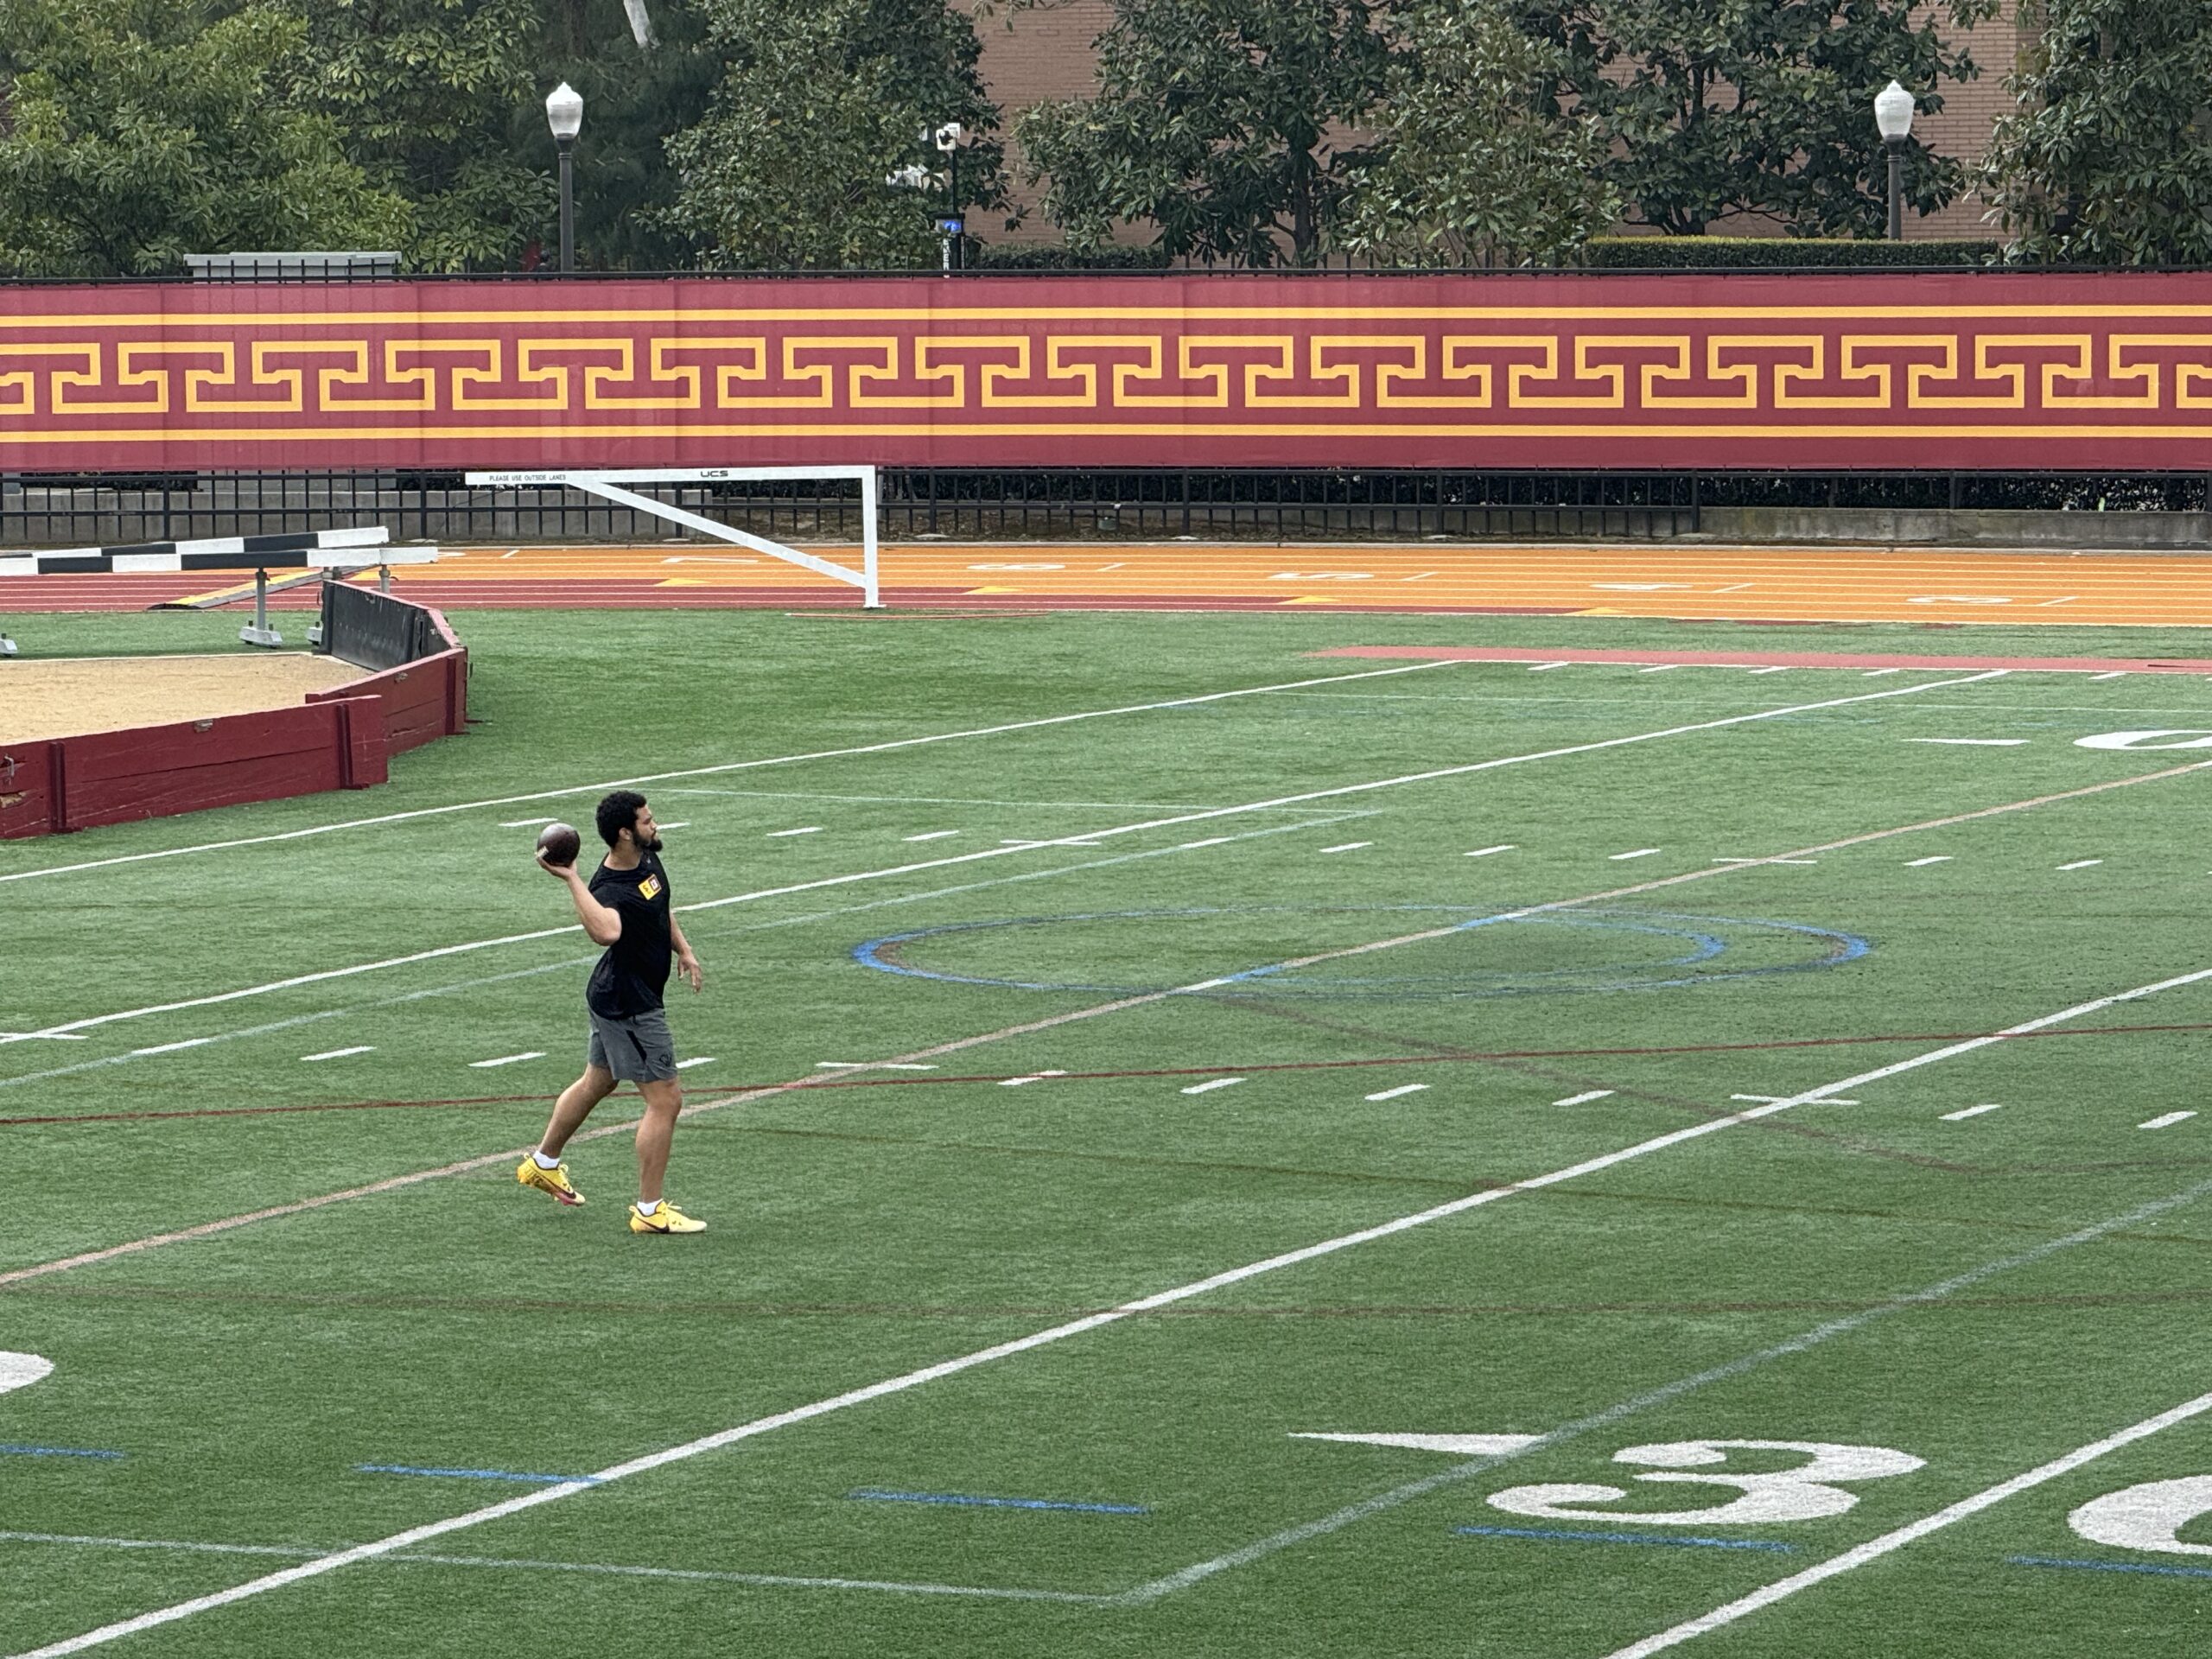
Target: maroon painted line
(1455,1058)
(1777,659)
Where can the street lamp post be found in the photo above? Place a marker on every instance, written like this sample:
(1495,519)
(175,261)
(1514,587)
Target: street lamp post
(1893,120)
(564,113)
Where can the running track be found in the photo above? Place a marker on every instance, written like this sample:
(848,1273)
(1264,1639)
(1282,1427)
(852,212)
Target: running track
(1738,584)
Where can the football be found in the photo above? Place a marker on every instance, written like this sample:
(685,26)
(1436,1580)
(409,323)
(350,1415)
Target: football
(559,843)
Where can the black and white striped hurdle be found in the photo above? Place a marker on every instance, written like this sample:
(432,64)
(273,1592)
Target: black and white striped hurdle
(311,550)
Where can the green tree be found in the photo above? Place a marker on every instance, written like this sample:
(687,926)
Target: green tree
(1225,122)
(428,93)
(137,131)
(2108,159)
(1473,169)
(637,96)
(817,106)
(1721,109)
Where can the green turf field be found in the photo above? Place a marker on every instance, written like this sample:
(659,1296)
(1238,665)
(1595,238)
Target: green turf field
(1388,1052)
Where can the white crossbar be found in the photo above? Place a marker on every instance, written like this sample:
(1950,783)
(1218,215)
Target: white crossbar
(608,486)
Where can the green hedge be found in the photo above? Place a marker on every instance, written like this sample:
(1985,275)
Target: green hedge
(1048,257)
(1727,252)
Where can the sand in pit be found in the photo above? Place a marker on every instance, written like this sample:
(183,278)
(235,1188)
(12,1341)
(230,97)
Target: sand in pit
(75,695)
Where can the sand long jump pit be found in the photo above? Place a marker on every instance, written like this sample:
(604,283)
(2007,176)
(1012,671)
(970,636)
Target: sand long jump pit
(75,697)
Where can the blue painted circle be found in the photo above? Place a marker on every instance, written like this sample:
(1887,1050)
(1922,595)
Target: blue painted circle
(1702,939)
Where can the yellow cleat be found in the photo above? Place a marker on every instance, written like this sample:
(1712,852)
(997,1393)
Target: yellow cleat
(555,1181)
(666,1219)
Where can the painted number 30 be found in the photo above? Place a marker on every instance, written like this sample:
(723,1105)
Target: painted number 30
(1806,1492)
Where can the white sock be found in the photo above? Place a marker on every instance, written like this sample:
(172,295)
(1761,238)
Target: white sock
(646,1206)
(543,1162)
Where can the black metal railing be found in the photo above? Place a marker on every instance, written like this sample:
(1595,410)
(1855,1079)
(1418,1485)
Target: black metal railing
(995,504)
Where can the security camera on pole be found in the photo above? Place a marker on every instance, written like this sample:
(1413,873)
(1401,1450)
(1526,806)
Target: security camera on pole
(1893,120)
(949,138)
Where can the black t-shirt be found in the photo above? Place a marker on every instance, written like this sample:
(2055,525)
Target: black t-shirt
(631,977)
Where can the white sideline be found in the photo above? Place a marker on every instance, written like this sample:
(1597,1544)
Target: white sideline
(1875,1548)
(1201,816)
(708,772)
(900,1385)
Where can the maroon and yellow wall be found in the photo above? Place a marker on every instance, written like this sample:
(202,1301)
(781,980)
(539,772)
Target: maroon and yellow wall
(1997,371)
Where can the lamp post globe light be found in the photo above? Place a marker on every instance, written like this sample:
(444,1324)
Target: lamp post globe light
(564,113)
(1893,120)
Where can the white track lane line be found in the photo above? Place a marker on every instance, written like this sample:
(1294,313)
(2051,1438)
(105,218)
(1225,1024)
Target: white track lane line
(410,1537)
(1206,815)
(707,772)
(1875,1548)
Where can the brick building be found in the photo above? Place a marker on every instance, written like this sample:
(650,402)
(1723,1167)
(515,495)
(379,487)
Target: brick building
(1035,56)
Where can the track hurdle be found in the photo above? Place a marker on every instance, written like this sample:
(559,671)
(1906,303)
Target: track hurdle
(317,552)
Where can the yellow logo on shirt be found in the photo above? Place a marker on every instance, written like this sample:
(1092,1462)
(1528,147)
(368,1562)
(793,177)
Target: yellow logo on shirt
(650,888)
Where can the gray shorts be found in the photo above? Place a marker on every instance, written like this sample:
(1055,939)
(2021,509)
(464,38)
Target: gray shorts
(636,1049)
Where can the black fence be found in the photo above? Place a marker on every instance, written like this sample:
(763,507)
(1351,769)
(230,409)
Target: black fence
(53,511)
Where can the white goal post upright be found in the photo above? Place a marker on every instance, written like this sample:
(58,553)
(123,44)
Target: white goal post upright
(608,486)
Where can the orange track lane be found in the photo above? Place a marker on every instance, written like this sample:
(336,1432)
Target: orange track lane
(1742,584)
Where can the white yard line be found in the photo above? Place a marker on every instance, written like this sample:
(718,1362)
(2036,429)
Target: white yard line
(1210,1084)
(339,1053)
(1641,852)
(1140,827)
(1484,852)
(409,1538)
(2167,1121)
(1874,1548)
(1584,1097)
(807,830)
(764,1580)
(456,988)
(933,834)
(1348,847)
(1665,1394)
(707,772)
(1966,1112)
(507,1060)
(1402,1089)
(2080,864)
(1973,742)
(1916,863)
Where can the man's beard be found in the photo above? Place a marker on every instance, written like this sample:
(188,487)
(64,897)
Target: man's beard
(652,846)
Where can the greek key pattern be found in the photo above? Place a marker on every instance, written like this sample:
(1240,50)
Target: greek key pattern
(1006,377)
(2007,370)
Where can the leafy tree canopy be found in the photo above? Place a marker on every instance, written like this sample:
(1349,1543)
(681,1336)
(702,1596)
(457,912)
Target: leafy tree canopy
(818,104)
(427,94)
(140,130)
(1473,169)
(1226,123)
(2108,157)
(1719,109)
